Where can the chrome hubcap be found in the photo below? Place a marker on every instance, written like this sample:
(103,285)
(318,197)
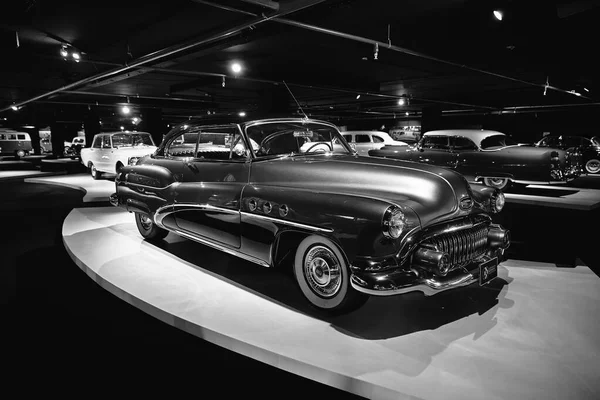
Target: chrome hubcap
(322,271)
(146,222)
(593,166)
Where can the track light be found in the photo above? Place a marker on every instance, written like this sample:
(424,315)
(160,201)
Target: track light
(401,102)
(242,114)
(376,51)
(135,120)
(125,110)
(498,14)
(76,56)
(15,108)
(122,127)
(357,96)
(236,67)
(63,52)
(223,81)
(586,89)
(407,113)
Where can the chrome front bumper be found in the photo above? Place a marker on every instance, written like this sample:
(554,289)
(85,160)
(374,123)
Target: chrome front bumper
(395,282)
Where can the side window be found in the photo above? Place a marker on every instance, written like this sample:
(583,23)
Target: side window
(463,143)
(208,144)
(97,142)
(106,142)
(12,137)
(21,137)
(348,138)
(436,142)
(2,137)
(362,139)
(377,139)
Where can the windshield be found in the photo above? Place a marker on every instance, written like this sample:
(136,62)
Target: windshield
(497,141)
(295,138)
(132,139)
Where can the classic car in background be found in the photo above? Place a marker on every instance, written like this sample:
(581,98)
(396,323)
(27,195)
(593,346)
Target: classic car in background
(350,226)
(14,143)
(363,141)
(409,136)
(46,144)
(490,157)
(112,150)
(588,147)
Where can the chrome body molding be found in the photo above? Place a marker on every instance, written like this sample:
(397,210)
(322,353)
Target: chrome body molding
(220,247)
(290,223)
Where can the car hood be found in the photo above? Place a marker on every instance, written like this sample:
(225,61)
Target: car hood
(432,192)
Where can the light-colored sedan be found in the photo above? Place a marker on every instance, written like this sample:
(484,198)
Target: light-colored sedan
(363,141)
(112,150)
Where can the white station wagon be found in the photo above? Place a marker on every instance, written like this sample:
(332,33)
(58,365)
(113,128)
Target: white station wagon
(363,141)
(112,150)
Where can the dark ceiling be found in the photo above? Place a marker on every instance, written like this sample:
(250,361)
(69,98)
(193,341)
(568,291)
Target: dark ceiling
(450,55)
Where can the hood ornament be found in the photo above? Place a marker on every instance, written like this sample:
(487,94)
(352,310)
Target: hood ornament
(466,203)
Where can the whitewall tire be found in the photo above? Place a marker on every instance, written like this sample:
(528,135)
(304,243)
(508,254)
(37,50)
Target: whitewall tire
(94,172)
(323,276)
(148,228)
(498,183)
(592,166)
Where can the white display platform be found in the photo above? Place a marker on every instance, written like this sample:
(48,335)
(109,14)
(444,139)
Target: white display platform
(534,333)
(95,190)
(20,174)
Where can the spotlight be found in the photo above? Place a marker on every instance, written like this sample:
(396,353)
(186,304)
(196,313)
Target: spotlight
(125,110)
(223,82)
(376,51)
(76,56)
(242,114)
(498,14)
(135,120)
(407,113)
(586,89)
(15,108)
(185,127)
(357,96)
(401,102)
(64,52)
(236,67)
(122,127)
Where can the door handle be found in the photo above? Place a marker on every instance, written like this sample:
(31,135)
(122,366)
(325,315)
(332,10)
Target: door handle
(192,166)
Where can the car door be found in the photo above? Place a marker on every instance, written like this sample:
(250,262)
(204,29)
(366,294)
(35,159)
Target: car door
(103,156)
(466,152)
(212,176)
(363,143)
(436,150)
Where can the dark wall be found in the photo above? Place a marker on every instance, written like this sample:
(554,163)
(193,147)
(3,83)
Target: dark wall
(153,123)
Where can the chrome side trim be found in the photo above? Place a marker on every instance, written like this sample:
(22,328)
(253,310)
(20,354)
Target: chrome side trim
(429,286)
(285,222)
(222,248)
(163,211)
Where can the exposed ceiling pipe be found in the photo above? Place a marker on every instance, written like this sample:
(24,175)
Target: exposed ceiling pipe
(172,50)
(399,49)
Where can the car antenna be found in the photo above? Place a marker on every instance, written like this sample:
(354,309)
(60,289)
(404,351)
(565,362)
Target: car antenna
(294,97)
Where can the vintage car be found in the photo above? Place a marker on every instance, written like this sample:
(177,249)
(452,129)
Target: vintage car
(490,157)
(111,151)
(349,226)
(588,147)
(363,141)
(13,143)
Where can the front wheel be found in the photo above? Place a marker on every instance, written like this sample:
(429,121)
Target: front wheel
(498,183)
(148,228)
(592,166)
(324,278)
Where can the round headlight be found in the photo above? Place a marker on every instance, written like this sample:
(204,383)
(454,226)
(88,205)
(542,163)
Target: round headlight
(498,201)
(394,223)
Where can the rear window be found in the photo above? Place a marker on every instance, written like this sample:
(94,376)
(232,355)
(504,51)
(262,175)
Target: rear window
(21,137)
(377,139)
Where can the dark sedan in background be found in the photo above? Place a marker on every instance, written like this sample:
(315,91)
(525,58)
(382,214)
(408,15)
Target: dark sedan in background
(588,147)
(490,157)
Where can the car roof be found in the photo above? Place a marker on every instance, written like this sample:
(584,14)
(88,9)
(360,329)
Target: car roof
(364,132)
(476,135)
(115,132)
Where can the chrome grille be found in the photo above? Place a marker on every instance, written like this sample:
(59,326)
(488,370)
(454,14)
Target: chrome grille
(463,245)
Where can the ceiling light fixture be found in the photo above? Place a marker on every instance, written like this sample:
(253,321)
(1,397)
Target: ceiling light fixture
(125,110)
(586,89)
(135,120)
(357,96)
(407,113)
(401,102)
(122,127)
(242,114)
(376,51)
(236,67)
(64,52)
(15,108)
(76,56)
(498,14)
(223,81)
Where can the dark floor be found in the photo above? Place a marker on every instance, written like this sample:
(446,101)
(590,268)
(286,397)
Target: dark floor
(68,332)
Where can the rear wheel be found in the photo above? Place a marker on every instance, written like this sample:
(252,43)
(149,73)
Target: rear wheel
(498,183)
(592,166)
(94,172)
(324,278)
(148,228)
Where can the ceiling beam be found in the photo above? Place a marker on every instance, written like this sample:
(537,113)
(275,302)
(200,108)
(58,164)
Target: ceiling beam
(292,7)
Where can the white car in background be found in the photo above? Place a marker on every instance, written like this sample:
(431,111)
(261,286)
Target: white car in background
(112,150)
(363,141)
